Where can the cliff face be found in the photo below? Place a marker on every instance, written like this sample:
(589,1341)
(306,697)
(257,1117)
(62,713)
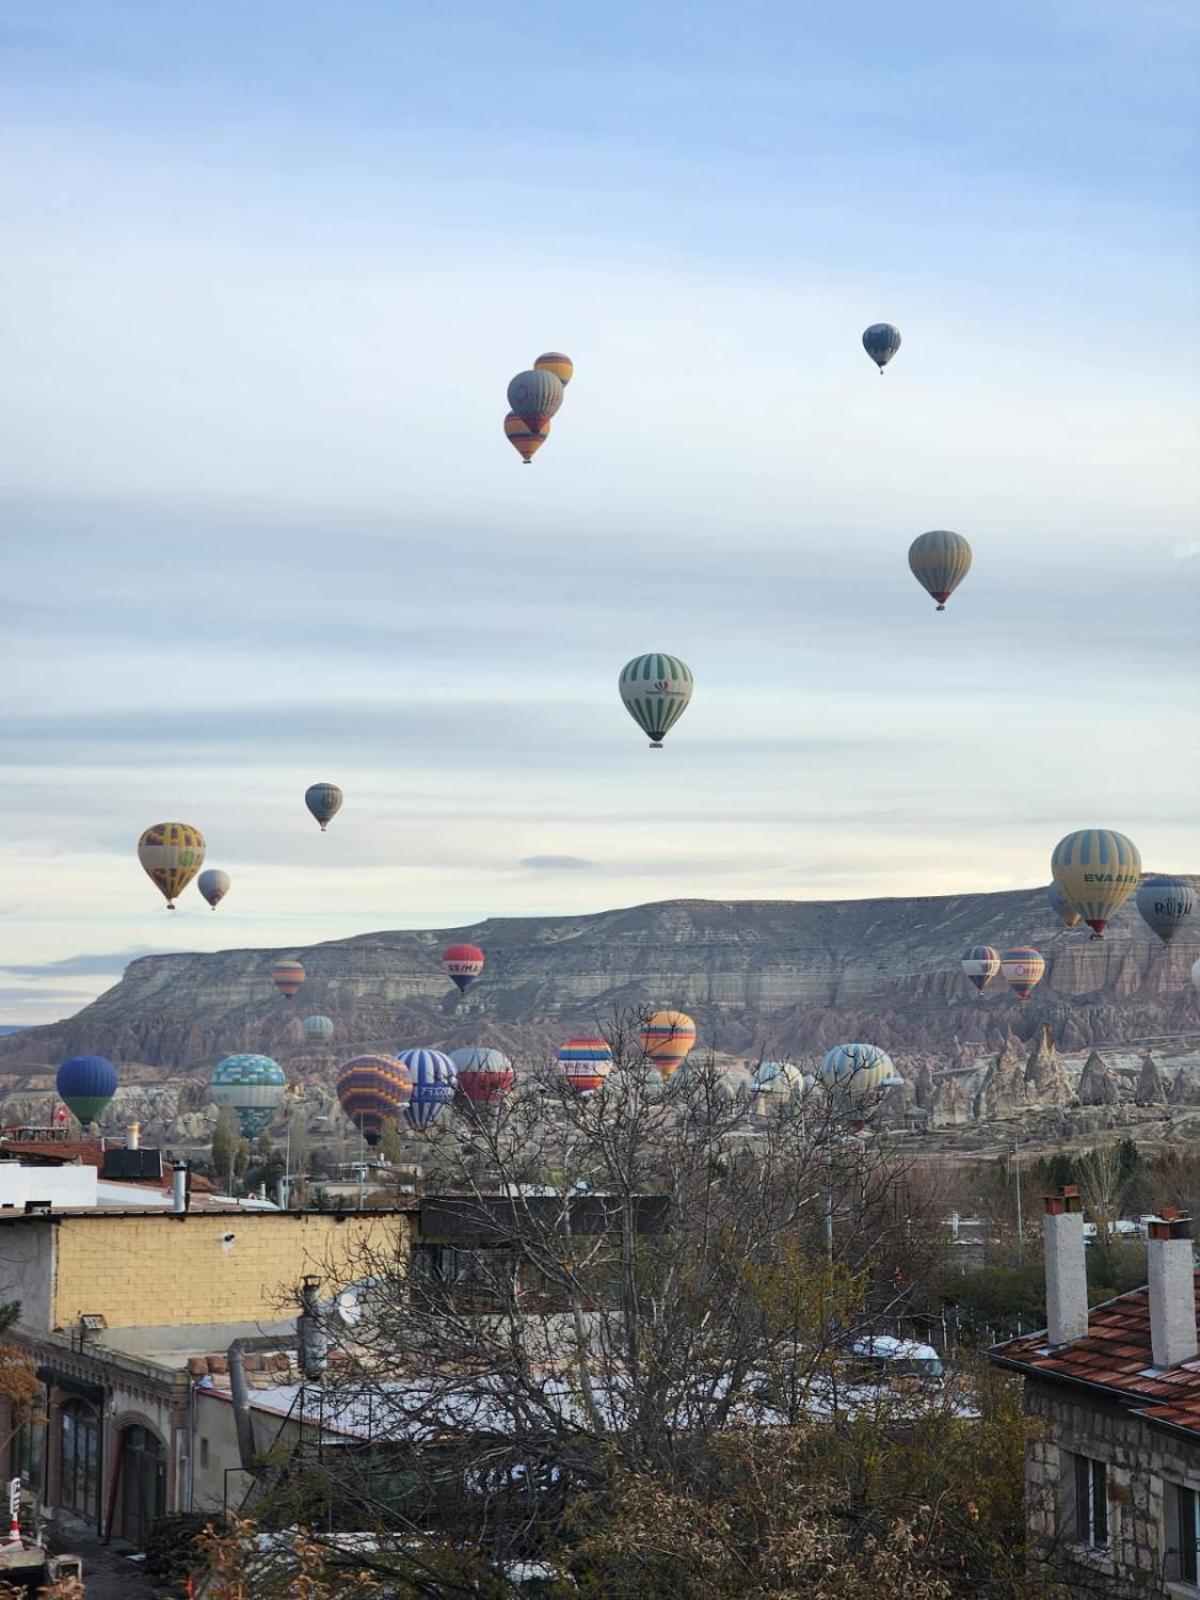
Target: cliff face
(760,977)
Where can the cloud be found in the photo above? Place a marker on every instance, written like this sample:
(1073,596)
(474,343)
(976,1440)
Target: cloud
(557,863)
(1187,550)
(96,965)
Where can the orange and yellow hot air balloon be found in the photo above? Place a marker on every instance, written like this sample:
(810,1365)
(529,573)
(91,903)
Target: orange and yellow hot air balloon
(560,365)
(522,437)
(171,854)
(667,1039)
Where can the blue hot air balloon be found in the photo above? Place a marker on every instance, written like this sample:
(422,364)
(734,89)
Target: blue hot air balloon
(881,341)
(433,1079)
(85,1085)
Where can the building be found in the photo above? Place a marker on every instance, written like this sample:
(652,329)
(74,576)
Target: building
(119,1308)
(1113,1473)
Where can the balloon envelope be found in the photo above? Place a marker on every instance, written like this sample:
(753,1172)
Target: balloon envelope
(1165,905)
(373,1090)
(522,437)
(85,1085)
(667,1040)
(585,1063)
(287,976)
(881,341)
(939,560)
(535,396)
(253,1085)
(463,964)
(655,690)
(324,800)
(171,854)
(560,365)
(1062,907)
(1196,974)
(1022,969)
(433,1079)
(213,885)
(859,1071)
(981,964)
(318,1030)
(777,1077)
(1097,870)
(484,1075)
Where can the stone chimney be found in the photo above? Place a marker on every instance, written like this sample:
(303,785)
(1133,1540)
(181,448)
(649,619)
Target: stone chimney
(133,1136)
(1172,1289)
(1066,1267)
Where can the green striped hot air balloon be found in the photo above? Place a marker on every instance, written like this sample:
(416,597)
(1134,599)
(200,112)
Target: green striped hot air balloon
(655,689)
(1097,870)
(940,560)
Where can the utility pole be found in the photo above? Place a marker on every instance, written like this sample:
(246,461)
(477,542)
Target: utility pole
(1020,1220)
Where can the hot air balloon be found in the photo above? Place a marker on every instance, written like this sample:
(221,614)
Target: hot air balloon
(213,885)
(981,964)
(287,976)
(560,365)
(1097,870)
(171,854)
(318,1030)
(881,341)
(1062,907)
(535,397)
(1196,974)
(1022,970)
(940,560)
(433,1079)
(252,1085)
(1165,905)
(860,1072)
(522,437)
(667,1039)
(656,689)
(585,1063)
(778,1078)
(484,1075)
(85,1085)
(463,964)
(324,800)
(373,1090)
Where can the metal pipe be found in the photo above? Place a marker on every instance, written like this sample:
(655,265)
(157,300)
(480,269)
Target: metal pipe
(179,1196)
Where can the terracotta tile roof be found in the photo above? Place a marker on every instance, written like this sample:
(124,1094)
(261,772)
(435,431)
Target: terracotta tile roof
(1116,1355)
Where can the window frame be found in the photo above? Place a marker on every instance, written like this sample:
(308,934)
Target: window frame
(1091,1523)
(1183,1553)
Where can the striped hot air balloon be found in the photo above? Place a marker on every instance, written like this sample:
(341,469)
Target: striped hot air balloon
(667,1039)
(778,1078)
(1097,870)
(484,1075)
(213,885)
(171,854)
(373,1090)
(253,1085)
(560,365)
(522,437)
(585,1063)
(881,341)
(655,689)
(318,1030)
(981,964)
(939,560)
(859,1072)
(535,397)
(1165,905)
(1062,907)
(1022,970)
(287,976)
(433,1078)
(324,800)
(463,964)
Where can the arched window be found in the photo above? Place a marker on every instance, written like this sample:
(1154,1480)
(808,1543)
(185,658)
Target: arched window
(143,1482)
(79,1459)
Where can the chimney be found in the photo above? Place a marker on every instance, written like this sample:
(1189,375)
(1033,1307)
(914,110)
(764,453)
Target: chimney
(133,1136)
(1066,1268)
(1172,1289)
(311,1339)
(179,1185)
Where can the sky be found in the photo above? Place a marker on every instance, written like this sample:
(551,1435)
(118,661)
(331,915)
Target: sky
(269,266)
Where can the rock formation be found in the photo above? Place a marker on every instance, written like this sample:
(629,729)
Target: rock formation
(1098,1084)
(1003,1089)
(1045,1081)
(1152,1087)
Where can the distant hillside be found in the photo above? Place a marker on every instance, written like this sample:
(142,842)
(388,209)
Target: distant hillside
(771,976)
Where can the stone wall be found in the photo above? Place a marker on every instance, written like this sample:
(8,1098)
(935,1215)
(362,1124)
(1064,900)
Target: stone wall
(1142,1462)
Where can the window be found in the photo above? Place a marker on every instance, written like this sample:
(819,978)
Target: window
(143,1482)
(1091,1502)
(79,1460)
(1183,1533)
(203,1451)
(28,1446)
